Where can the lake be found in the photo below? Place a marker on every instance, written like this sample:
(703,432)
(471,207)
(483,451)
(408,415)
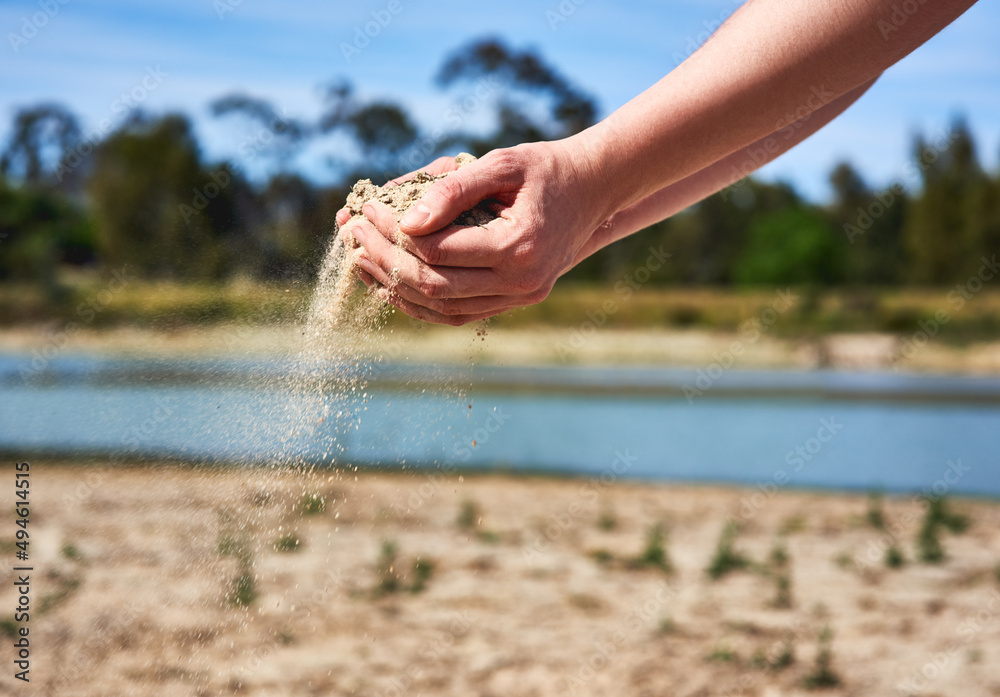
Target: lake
(766,428)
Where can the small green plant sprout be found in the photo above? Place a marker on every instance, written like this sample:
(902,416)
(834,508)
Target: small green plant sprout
(607,521)
(783,592)
(823,675)
(312,503)
(386,569)
(654,554)
(875,515)
(244,591)
(422,571)
(938,512)
(667,625)
(602,556)
(726,558)
(779,556)
(894,558)
(287,543)
(722,654)
(70,551)
(784,656)
(468,515)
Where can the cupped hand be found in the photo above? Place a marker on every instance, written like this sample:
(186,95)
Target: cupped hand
(548,203)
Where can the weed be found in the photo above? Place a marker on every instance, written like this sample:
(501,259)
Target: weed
(70,551)
(792,525)
(938,514)
(655,552)
(287,543)
(244,591)
(875,516)
(929,545)
(823,675)
(603,556)
(894,558)
(422,571)
(468,515)
(722,654)
(783,592)
(386,569)
(607,520)
(779,556)
(312,504)
(785,658)
(726,558)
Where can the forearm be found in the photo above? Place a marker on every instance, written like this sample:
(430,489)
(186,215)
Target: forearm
(772,62)
(675,197)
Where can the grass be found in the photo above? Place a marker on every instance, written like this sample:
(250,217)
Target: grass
(388,579)
(823,676)
(722,654)
(783,592)
(894,558)
(468,515)
(875,515)
(930,549)
(244,590)
(607,521)
(312,504)
(654,554)
(287,543)
(726,559)
(423,569)
(151,303)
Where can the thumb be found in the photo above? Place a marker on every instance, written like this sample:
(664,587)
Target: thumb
(448,198)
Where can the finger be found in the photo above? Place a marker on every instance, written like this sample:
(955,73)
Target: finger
(430,281)
(439,166)
(343,215)
(367,278)
(426,314)
(456,245)
(446,199)
(484,304)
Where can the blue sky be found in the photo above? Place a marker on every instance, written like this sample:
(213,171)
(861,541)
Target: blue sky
(89,52)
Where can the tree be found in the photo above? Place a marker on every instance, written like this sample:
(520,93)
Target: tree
(272,137)
(869,222)
(945,227)
(791,246)
(42,137)
(529,87)
(156,207)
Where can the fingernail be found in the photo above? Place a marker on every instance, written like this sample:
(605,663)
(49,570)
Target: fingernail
(416,216)
(369,211)
(359,235)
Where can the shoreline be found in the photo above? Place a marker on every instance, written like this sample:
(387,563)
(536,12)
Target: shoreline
(690,348)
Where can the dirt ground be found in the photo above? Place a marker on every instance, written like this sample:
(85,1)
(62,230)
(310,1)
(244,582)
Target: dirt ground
(175,580)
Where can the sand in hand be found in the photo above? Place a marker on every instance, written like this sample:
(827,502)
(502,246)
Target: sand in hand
(332,303)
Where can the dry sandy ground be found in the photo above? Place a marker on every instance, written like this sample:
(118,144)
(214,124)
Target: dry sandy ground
(541,346)
(135,568)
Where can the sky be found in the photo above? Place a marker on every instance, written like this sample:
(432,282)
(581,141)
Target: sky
(88,53)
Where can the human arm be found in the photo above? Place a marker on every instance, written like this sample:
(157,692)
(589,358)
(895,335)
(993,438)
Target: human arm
(773,60)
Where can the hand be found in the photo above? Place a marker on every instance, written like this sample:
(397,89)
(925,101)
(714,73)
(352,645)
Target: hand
(438,166)
(549,205)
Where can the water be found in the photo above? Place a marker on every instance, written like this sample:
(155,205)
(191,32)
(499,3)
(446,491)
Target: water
(899,433)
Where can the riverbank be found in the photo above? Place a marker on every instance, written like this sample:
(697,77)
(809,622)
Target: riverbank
(173,580)
(695,348)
